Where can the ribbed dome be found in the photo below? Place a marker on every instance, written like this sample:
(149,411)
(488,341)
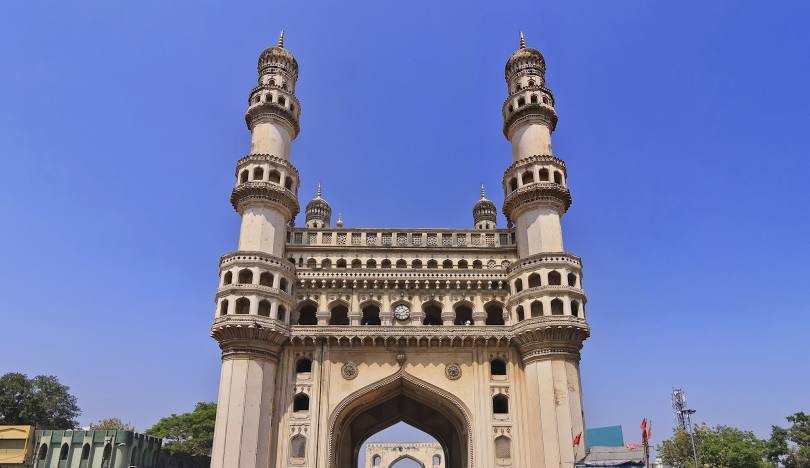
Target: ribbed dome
(278,56)
(484,209)
(318,211)
(524,57)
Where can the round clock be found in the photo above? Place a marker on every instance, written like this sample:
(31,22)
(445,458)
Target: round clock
(402,312)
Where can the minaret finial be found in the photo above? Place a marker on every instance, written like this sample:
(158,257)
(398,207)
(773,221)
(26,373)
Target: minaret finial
(522,40)
(318,191)
(483,195)
(339,220)
(281,39)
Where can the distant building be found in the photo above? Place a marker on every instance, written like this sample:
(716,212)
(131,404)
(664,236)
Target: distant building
(95,449)
(15,445)
(384,455)
(605,448)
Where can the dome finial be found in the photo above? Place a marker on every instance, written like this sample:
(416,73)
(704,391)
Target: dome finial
(318,191)
(483,194)
(340,220)
(522,41)
(281,39)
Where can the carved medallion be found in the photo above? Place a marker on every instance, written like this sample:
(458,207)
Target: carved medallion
(453,371)
(349,370)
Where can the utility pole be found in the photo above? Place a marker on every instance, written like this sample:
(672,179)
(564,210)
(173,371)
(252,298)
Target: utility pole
(684,417)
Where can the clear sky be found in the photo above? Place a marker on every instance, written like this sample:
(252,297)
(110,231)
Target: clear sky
(684,126)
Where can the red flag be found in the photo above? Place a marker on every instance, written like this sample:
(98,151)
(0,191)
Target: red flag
(577,439)
(649,430)
(643,429)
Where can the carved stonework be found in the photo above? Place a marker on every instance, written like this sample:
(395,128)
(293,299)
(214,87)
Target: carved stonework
(453,371)
(349,370)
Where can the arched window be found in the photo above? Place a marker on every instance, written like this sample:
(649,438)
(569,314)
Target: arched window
(281,313)
(497,366)
(520,314)
(575,308)
(105,456)
(433,314)
(572,279)
(463,265)
(339,315)
(227,278)
(308,315)
(432,264)
(531,82)
(500,404)
(477,265)
(292,106)
(554,278)
(243,176)
(544,175)
(556,307)
(275,176)
(494,314)
(303,366)
(85,451)
(437,460)
(385,263)
(223,307)
(298,447)
(371,315)
(447,264)
(371,263)
(545,99)
(242,305)
(356,263)
(264,308)
(376,460)
(416,263)
(43,452)
(534,99)
(463,315)
(281,100)
(521,101)
(537,309)
(558,177)
(288,183)
(300,403)
(534,280)
(401,263)
(258,173)
(341,263)
(512,184)
(266,279)
(245,276)
(312,263)
(282,284)
(63,453)
(326,263)
(518,285)
(527,177)
(503,448)
(511,109)
(256,99)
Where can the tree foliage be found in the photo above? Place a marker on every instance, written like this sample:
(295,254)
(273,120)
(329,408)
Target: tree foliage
(111,423)
(40,401)
(791,447)
(188,433)
(720,447)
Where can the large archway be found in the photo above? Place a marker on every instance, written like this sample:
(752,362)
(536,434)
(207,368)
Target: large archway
(400,397)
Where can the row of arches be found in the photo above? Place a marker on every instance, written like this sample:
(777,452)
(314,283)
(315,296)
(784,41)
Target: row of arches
(555,306)
(244,306)
(279,99)
(256,276)
(432,314)
(552,278)
(531,176)
(401,263)
(533,99)
(262,174)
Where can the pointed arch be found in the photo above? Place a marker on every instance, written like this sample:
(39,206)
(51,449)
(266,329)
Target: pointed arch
(406,457)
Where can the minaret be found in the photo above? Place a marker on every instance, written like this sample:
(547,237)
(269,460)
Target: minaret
(318,212)
(255,293)
(484,212)
(546,295)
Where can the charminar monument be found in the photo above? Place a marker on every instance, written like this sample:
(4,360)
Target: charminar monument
(330,334)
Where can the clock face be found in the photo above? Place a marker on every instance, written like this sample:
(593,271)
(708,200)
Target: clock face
(402,312)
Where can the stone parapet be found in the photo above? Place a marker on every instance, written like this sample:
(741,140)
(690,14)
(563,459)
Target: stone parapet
(247,193)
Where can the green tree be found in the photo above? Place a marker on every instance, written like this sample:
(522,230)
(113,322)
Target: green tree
(188,433)
(718,447)
(40,401)
(791,447)
(111,423)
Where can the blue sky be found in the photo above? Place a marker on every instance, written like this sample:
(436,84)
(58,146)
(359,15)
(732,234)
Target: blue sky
(684,126)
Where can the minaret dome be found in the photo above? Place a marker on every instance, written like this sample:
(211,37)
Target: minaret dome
(484,212)
(318,212)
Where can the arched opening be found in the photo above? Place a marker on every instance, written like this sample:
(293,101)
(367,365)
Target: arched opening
(245,276)
(437,460)
(575,308)
(494,314)
(376,460)
(281,100)
(497,367)
(326,263)
(264,308)
(243,176)
(477,265)
(371,315)
(513,184)
(63,453)
(312,263)
(521,101)
(416,263)
(385,264)
(537,309)
(447,264)
(463,265)
(503,448)
(545,100)
(308,315)
(554,278)
(556,307)
(534,280)
(288,184)
(258,173)
(432,264)
(43,452)
(300,403)
(243,305)
(463,315)
(533,99)
(266,279)
(527,177)
(298,449)
(406,461)
(401,398)
(544,175)
(401,263)
(281,313)
(85,451)
(500,404)
(518,285)
(341,263)
(520,313)
(223,307)
(371,263)
(282,284)
(356,263)
(572,279)
(433,314)
(558,179)
(339,315)
(227,278)
(105,456)
(303,366)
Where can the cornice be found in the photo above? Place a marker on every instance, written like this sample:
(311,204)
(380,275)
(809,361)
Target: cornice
(270,111)
(545,193)
(247,193)
(253,258)
(261,157)
(534,159)
(530,110)
(546,291)
(544,259)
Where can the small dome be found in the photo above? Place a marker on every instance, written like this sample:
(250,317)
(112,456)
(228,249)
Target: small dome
(484,209)
(318,211)
(524,57)
(278,56)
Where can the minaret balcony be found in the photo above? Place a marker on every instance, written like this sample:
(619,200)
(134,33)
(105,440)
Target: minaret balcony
(286,112)
(250,333)
(546,337)
(260,192)
(521,112)
(548,194)
(546,291)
